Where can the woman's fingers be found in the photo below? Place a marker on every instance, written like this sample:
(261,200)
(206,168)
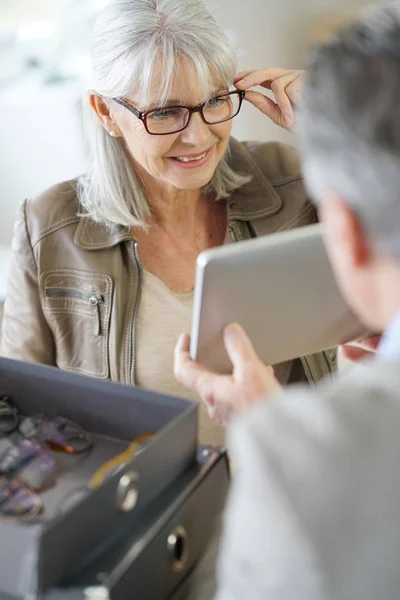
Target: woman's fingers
(242,75)
(286,87)
(263,103)
(264,77)
(294,89)
(282,99)
(267,106)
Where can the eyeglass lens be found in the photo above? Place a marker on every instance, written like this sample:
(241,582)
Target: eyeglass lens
(17,501)
(26,467)
(59,433)
(169,120)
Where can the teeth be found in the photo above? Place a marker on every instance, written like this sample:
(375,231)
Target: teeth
(184,159)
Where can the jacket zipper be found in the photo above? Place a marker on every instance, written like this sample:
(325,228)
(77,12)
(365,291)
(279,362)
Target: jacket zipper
(234,232)
(236,236)
(307,370)
(95,299)
(135,311)
(330,362)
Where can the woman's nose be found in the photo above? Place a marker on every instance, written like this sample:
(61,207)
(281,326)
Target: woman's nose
(197,132)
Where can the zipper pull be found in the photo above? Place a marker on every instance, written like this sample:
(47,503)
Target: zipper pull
(95,300)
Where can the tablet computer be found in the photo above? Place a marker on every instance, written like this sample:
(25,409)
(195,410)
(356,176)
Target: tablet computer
(280,288)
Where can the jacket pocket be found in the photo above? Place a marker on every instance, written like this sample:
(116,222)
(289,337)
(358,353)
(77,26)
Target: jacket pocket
(77,306)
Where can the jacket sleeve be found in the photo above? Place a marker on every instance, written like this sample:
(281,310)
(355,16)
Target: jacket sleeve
(313,512)
(265,553)
(25,332)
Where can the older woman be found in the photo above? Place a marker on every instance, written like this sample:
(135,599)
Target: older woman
(103,269)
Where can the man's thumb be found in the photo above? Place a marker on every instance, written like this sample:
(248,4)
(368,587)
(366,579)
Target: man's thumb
(238,346)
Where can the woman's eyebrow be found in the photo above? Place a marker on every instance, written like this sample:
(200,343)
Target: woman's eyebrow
(223,90)
(176,102)
(159,106)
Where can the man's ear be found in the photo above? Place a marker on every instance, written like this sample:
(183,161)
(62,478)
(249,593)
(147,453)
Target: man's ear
(103,113)
(344,231)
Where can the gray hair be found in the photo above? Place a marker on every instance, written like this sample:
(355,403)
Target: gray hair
(129,37)
(349,126)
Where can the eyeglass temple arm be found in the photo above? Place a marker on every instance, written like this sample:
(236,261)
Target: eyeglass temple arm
(129,107)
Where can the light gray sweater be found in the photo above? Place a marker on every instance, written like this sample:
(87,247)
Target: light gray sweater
(314,510)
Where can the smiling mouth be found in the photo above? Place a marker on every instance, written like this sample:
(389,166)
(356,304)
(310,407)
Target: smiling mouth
(185,159)
(192,158)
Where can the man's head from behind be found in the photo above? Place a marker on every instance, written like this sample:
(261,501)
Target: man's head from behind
(350,143)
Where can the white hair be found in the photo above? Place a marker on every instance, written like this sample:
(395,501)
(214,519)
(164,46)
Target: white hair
(130,37)
(349,123)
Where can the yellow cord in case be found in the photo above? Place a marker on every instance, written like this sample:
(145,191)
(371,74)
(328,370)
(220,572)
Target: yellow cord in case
(126,456)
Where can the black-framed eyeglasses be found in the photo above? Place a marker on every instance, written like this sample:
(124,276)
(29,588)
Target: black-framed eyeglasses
(172,119)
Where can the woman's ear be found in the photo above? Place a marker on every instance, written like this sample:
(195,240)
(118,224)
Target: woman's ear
(103,113)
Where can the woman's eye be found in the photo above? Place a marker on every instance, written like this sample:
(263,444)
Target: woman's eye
(161,115)
(216,102)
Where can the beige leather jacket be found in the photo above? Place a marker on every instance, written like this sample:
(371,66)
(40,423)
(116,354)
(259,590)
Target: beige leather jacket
(74,287)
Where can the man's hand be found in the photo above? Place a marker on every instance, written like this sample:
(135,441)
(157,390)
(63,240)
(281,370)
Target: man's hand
(286,87)
(361,349)
(227,395)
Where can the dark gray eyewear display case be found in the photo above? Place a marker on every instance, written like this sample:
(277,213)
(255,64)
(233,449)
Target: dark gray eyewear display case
(141,532)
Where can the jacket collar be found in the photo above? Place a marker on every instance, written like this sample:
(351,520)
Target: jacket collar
(90,235)
(255,200)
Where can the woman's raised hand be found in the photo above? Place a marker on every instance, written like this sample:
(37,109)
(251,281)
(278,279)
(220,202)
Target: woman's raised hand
(286,87)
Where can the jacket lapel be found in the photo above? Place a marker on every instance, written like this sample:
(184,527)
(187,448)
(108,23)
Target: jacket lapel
(256,199)
(90,235)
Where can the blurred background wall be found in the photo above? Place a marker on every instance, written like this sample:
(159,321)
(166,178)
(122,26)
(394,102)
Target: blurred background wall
(43,66)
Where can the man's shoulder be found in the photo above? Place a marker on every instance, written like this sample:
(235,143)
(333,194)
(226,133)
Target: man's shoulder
(364,383)
(317,485)
(56,207)
(344,414)
(278,162)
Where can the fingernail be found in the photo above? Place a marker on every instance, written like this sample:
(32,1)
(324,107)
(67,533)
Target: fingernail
(230,331)
(181,340)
